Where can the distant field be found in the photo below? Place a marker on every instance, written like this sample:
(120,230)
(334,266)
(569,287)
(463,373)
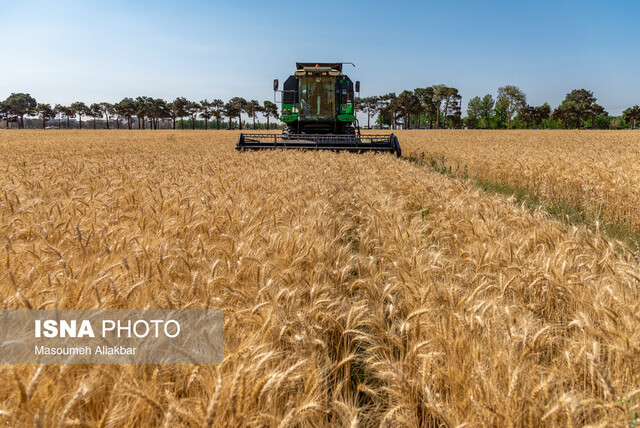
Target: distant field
(358,290)
(596,173)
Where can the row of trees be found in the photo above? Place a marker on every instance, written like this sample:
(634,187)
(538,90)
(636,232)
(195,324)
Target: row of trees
(578,106)
(146,111)
(437,106)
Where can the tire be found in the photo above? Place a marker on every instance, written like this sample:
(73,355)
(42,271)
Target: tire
(349,130)
(286,132)
(396,143)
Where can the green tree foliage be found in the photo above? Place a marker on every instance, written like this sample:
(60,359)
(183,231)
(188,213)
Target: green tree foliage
(270,109)
(596,110)
(438,105)
(141,110)
(127,108)
(439,93)
(531,116)
(526,116)
(20,105)
(193,108)
(501,114)
(62,111)
(159,110)
(428,102)
(234,108)
(95,111)
(617,123)
(242,108)
(474,112)
(252,108)
(443,102)
(369,105)
(577,106)
(582,101)
(543,113)
(487,106)
(231,110)
(386,108)
(632,115)
(602,122)
(107,110)
(513,100)
(407,104)
(120,112)
(357,103)
(46,112)
(70,113)
(4,113)
(205,112)
(217,110)
(179,109)
(81,109)
(565,113)
(451,111)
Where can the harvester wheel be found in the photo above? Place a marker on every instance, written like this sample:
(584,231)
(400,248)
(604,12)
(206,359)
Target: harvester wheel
(396,145)
(286,132)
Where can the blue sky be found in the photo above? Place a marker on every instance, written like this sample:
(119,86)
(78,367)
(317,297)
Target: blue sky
(89,51)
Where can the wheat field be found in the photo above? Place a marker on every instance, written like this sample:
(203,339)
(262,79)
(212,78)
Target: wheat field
(357,290)
(596,172)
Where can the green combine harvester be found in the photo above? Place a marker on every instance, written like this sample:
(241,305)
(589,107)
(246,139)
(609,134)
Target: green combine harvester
(318,110)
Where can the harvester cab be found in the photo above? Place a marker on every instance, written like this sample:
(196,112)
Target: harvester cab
(318,110)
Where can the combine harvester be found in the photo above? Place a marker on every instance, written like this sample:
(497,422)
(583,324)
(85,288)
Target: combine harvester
(318,110)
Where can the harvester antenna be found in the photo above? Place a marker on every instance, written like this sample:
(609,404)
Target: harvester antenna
(349,63)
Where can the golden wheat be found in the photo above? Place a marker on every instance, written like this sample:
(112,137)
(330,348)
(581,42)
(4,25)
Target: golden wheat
(597,172)
(358,290)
